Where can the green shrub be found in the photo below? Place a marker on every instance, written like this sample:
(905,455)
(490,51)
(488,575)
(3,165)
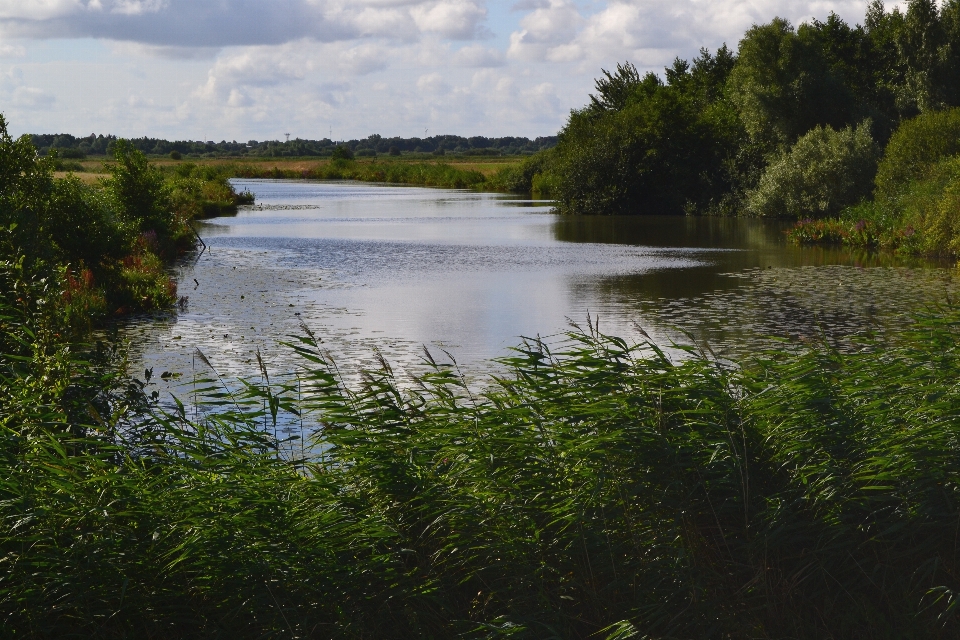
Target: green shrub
(929,210)
(341,153)
(521,178)
(914,148)
(175,155)
(663,153)
(140,192)
(72,154)
(823,173)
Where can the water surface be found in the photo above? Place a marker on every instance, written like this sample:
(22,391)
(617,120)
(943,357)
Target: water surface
(374,267)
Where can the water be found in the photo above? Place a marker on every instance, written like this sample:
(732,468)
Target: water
(371,267)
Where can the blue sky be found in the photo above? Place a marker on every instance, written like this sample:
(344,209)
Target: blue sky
(256,69)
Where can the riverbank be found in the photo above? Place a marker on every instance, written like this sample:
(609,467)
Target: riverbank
(596,488)
(438,171)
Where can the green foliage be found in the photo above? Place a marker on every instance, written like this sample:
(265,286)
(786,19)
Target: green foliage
(342,153)
(203,191)
(782,86)
(929,210)
(175,155)
(525,177)
(84,227)
(662,149)
(140,192)
(102,246)
(822,174)
(425,174)
(914,148)
(596,486)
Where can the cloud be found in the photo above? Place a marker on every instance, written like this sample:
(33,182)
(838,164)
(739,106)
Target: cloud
(650,32)
(12,51)
(205,23)
(476,55)
(134,49)
(433,83)
(363,59)
(530,5)
(455,19)
(32,98)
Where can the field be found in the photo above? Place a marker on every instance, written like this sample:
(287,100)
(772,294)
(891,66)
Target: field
(485,165)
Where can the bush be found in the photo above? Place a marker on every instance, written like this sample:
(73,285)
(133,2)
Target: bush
(824,172)
(914,148)
(394,151)
(929,210)
(175,155)
(140,192)
(341,153)
(521,178)
(72,154)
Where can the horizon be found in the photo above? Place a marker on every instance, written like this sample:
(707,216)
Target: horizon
(243,70)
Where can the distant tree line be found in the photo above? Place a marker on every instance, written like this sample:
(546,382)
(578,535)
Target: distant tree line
(72,147)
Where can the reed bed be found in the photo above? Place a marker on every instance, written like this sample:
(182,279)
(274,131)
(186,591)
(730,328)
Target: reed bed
(596,490)
(419,173)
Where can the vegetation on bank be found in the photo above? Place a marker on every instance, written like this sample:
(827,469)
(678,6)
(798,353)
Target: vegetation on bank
(794,123)
(597,490)
(103,248)
(72,148)
(414,173)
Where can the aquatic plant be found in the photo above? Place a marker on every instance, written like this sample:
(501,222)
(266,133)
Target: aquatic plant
(419,173)
(597,489)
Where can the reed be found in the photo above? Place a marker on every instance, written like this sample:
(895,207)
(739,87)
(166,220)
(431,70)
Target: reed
(596,489)
(420,173)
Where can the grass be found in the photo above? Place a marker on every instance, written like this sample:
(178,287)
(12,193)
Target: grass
(448,171)
(597,490)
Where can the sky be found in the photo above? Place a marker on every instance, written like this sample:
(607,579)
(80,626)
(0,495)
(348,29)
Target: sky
(258,69)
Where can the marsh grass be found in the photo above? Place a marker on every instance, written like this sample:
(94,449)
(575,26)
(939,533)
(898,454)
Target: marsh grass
(597,489)
(419,173)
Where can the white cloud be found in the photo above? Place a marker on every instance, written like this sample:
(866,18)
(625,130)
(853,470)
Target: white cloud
(12,51)
(179,23)
(135,49)
(363,59)
(136,7)
(32,98)
(476,55)
(456,19)
(650,32)
(433,83)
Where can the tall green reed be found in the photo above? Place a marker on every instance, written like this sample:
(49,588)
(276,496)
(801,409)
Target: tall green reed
(596,489)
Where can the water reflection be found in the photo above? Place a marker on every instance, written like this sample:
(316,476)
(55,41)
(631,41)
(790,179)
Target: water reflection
(392,268)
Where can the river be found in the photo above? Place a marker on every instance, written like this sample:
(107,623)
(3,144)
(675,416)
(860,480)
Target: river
(392,269)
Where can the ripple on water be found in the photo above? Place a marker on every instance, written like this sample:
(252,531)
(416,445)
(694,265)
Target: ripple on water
(374,268)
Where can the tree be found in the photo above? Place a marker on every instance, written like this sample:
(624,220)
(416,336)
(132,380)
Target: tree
(140,194)
(643,147)
(783,87)
(822,174)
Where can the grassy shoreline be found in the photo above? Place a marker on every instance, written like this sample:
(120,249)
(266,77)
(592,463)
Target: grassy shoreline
(597,490)
(451,172)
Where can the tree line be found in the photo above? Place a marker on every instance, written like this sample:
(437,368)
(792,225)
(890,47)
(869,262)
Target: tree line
(73,147)
(794,122)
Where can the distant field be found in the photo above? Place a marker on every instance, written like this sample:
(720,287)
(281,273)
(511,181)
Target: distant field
(485,165)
